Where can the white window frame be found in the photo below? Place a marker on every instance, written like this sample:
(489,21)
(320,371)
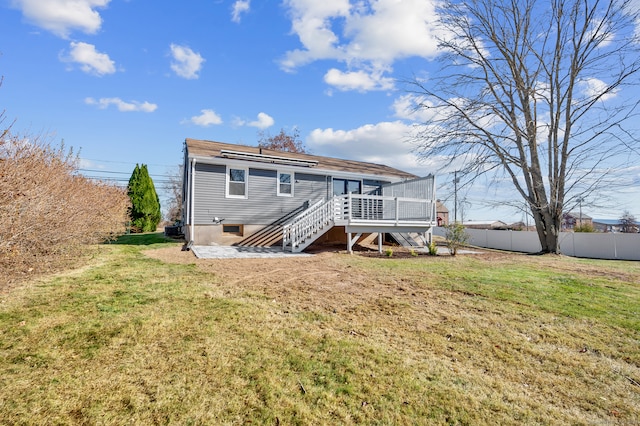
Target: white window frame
(228,181)
(284,172)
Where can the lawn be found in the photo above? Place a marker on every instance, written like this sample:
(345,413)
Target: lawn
(147,334)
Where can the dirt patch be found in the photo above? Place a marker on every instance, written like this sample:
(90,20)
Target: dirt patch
(327,281)
(322,282)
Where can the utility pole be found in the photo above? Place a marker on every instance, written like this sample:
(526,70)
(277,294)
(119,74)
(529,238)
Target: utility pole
(580,203)
(455,196)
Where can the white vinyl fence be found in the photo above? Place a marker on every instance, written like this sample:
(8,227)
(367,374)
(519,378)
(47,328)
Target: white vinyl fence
(579,244)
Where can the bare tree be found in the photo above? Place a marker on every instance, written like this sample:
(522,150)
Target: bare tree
(628,223)
(283,141)
(533,89)
(173,187)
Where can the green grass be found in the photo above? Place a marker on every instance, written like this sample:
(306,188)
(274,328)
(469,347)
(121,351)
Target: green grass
(144,239)
(423,340)
(572,293)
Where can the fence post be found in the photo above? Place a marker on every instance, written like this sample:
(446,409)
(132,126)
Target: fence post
(511,239)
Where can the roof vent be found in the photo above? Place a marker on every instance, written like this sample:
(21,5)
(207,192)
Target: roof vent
(263,158)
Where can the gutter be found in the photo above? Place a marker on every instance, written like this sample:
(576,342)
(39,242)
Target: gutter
(192,201)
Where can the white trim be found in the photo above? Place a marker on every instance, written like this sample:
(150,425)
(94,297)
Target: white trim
(293,178)
(246,182)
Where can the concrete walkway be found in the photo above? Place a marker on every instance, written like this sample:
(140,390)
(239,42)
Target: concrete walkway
(236,252)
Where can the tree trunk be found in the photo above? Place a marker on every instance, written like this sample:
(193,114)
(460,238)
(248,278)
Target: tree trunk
(548,228)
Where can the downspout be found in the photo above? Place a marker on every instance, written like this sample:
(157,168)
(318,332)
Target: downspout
(192,201)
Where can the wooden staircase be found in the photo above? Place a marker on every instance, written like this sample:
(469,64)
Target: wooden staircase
(308,226)
(270,235)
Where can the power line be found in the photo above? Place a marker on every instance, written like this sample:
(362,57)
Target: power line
(103,171)
(129,162)
(164,176)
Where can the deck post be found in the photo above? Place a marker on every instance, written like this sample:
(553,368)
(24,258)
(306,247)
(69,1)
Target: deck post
(380,242)
(397,210)
(352,241)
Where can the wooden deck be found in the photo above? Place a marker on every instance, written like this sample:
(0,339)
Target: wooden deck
(360,214)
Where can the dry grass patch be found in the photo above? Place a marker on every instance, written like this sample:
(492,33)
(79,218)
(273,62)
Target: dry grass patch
(162,337)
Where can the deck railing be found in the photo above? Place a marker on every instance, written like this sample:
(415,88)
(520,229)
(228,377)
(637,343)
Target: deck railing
(307,223)
(359,208)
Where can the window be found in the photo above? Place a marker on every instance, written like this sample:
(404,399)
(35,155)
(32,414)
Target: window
(344,186)
(237,183)
(285,184)
(232,229)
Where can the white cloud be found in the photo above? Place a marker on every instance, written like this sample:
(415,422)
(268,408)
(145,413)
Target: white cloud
(391,29)
(361,81)
(85,163)
(62,16)
(122,106)
(91,61)
(381,143)
(186,63)
(414,108)
(367,36)
(592,88)
(239,7)
(263,121)
(312,22)
(404,107)
(208,117)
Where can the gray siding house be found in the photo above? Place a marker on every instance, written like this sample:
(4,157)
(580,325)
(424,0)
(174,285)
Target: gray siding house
(247,195)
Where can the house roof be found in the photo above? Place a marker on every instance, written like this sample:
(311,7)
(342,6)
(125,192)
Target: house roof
(612,222)
(576,215)
(490,223)
(441,208)
(203,148)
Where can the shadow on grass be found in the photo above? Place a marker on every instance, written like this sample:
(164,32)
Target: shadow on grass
(143,239)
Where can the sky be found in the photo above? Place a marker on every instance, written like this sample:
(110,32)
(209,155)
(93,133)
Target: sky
(127,81)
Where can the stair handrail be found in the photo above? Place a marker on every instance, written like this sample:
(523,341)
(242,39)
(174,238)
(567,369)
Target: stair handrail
(307,223)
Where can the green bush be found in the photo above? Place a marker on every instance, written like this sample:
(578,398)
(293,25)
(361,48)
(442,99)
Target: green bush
(456,236)
(585,227)
(145,205)
(433,249)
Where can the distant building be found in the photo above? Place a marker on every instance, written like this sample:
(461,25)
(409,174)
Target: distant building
(611,225)
(572,220)
(521,226)
(485,224)
(442,213)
